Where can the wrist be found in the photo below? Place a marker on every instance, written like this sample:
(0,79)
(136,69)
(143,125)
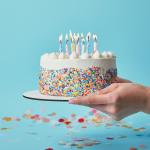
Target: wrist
(147,109)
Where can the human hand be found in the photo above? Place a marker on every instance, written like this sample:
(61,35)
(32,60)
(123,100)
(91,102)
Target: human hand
(118,100)
(120,80)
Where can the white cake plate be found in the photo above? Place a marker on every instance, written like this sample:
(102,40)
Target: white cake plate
(36,95)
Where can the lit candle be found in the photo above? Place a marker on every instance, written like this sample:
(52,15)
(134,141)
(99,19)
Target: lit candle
(95,43)
(60,42)
(73,46)
(83,43)
(78,44)
(67,49)
(82,36)
(72,42)
(88,37)
(76,38)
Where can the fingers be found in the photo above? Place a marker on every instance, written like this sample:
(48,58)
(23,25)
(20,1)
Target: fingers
(92,99)
(105,97)
(108,89)
(120,80)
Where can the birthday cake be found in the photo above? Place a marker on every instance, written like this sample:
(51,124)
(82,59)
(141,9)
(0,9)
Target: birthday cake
(76,72)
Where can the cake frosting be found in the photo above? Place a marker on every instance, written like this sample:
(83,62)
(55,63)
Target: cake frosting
(78,72)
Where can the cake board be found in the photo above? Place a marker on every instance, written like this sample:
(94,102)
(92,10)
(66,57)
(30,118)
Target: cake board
(36,95)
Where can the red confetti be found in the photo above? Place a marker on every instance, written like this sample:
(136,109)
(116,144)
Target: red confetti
(49,148)
(84,126)
(73,115)
(81,120)
(61,120)
(46,120)
(67,122)
(36,117)
(18,119)
(133,148)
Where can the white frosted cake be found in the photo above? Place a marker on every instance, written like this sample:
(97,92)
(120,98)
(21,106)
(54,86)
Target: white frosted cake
(76,72)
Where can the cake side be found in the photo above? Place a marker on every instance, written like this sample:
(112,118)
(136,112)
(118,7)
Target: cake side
(77,77)
(51,64)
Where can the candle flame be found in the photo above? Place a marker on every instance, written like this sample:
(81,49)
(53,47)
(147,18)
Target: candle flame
(60,38)
(88,36)
(94,37)
(66,37)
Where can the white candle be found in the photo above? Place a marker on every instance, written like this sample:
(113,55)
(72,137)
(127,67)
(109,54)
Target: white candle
(95,43)
(77,38)
(71,39)
(67,48)
(73,46)
(83,46)
(82,36)
(60,42)
(88,41)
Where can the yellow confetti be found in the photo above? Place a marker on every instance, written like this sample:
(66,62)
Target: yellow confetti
(7,119)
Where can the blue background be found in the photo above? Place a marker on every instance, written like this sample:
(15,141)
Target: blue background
(29,28)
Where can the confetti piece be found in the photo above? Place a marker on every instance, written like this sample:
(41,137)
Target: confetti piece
(139,129)
(67,122)
(110,138)
(126,126)
(61,120)
(81,120)
(133,148)
(17,119)
(62,143)
(49,148)
(122,137)
(142,146)
(84,126)
(46,120)
(96,120)
(7,119)
(94,111)
(4,129)
(52,114)
(73,115)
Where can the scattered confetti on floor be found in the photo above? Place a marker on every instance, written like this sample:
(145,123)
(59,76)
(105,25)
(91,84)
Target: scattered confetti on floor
(79,143)
(75,123)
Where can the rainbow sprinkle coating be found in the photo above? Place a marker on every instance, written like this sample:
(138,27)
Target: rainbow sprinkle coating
(72,82)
